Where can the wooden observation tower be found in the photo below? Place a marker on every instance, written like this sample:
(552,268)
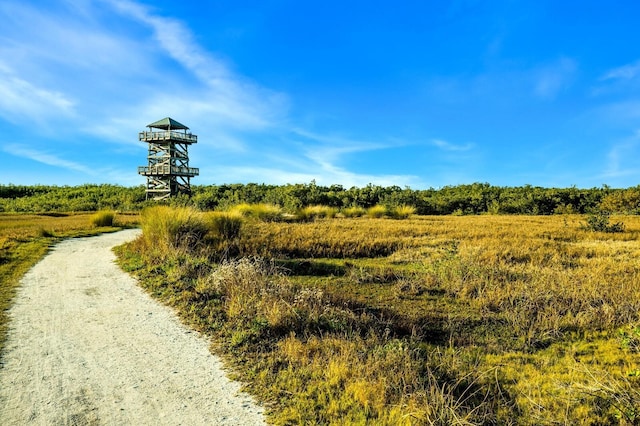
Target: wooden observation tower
(168,172)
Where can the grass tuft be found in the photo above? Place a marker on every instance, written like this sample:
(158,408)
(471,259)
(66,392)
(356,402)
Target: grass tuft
(377,211)
(402,212)
(264,212)
(354,212)
(166,228)
(103,218)
(316,212)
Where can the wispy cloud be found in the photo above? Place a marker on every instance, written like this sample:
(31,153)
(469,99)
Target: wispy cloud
(622,81)
(101,70)
(551,79)
(20,99)
(626,72)
(47,158)
(448,146)
(326,152)
(620,158)
(230,97)
(329,148)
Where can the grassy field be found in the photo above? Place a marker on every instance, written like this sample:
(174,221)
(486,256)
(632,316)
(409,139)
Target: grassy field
(25,238)
(429,320)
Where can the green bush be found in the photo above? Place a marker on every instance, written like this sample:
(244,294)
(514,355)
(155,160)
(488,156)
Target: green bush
(599,222)
(630,338)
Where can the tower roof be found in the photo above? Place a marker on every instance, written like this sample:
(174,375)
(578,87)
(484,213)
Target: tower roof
(168,124)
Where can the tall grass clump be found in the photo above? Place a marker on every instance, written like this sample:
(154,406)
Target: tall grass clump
(356,211)
(226,225)
(403,211)
(264,212)
(316,212)
(165,228)
(103,218)
(377,211)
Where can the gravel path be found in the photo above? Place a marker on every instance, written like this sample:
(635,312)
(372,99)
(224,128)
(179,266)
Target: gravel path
(87,346)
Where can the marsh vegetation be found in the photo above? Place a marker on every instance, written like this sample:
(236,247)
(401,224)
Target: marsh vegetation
(341,317)
(471,304)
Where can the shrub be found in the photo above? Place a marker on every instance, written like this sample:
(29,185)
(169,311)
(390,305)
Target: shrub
(103,218)
(630,338)
(599,222)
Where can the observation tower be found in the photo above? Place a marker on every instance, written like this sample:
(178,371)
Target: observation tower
(168,172)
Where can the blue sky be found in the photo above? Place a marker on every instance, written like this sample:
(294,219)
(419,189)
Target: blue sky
(408,93)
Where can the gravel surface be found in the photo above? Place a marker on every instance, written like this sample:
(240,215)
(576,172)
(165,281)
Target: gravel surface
(87,346)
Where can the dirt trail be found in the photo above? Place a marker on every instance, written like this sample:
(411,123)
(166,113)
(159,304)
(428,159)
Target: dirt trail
(87,346)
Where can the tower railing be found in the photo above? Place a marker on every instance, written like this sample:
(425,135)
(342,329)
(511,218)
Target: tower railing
(164,169)
(167,135)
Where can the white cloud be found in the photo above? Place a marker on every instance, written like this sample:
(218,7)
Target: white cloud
(325,149)
(227,97)
(107,68)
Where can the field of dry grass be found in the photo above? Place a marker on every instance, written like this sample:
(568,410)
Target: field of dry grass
(25,238)
(429,320)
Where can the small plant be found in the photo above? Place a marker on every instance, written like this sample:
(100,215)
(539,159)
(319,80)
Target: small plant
(599,222)
(630,338)
(103,218)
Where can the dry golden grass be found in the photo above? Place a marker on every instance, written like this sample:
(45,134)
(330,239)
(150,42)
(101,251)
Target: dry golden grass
(430,320)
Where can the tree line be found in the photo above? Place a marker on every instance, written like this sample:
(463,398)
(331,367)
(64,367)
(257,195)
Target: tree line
(475,198)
